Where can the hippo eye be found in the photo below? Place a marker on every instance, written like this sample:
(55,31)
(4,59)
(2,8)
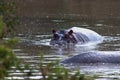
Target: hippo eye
(66,36)
(56,36)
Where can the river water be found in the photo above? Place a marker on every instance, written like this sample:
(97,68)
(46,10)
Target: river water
(38,18)
(37,39)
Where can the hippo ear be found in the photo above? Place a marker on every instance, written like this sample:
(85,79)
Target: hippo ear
(70,32)
(53,31)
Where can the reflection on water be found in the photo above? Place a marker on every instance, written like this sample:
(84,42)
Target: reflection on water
(107,72)
(111,43)
(39,17)
(33,71)
(35,43)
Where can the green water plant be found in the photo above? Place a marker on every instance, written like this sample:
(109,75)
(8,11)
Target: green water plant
(8,20)
(2,26)
(7,59)
(8,13)
(11,42)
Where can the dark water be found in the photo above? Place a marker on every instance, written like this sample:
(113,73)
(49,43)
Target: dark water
(38,18)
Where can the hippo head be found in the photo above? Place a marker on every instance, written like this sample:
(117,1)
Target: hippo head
(61,37)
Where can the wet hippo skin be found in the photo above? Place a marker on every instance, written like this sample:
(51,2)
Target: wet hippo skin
(75,35)
(94,57)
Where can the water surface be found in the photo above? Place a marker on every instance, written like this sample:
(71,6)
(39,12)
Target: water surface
(39,17)
(34,44)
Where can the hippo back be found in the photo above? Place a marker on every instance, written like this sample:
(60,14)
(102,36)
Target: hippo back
(94,57)
(86,34)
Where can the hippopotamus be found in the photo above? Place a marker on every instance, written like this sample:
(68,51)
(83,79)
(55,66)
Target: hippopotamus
(94,57)
(75,35)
